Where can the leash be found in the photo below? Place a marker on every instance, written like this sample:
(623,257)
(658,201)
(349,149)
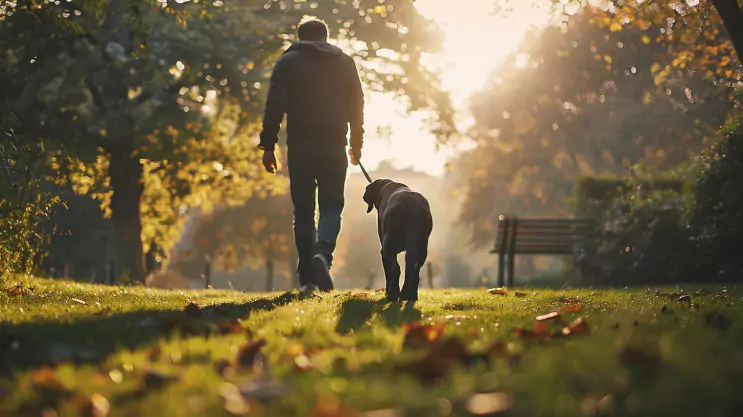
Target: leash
(366,174)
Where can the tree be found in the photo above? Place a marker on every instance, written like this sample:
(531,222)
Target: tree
(580,99)
(702,35)
(141,90)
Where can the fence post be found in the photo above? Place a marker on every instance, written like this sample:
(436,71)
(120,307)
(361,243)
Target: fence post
(512,250)
(207,271)
(503,222)
(111,272)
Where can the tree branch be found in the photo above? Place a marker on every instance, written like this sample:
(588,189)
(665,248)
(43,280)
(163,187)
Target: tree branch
(732,18)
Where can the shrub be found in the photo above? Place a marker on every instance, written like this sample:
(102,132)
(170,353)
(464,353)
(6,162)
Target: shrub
(24,207)
(716,213)
(648,244)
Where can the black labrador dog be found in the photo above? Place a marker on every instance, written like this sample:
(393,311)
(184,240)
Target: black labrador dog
(405,224)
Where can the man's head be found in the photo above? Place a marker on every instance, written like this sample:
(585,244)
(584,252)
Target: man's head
(313,30)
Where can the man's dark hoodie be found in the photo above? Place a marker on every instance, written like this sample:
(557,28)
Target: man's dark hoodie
(318,88)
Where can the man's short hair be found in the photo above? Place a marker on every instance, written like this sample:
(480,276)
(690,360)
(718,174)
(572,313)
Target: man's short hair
(313,30)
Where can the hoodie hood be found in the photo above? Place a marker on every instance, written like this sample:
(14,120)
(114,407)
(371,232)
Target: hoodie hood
(316,48)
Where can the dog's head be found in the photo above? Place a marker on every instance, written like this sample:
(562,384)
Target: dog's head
(373,193)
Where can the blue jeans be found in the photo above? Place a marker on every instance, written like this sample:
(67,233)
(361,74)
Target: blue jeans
(316,171)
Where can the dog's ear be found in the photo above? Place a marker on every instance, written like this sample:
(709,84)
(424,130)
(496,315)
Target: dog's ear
(370,196)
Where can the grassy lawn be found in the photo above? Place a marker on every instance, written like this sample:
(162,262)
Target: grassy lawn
(73,349)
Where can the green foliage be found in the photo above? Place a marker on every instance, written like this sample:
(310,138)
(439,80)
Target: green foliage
(648,243)
(24,206)
(717,210)
(691,232)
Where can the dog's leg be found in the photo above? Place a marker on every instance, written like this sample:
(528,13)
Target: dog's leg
(413,263)
(392,276)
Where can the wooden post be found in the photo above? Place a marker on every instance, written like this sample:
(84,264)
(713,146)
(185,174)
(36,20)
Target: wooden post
(512,249)
(503,222)
(429,269)
(111,272)
(207,271)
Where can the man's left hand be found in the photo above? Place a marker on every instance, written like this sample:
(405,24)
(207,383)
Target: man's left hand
(269,162)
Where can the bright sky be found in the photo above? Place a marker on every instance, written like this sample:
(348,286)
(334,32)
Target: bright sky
(476,41)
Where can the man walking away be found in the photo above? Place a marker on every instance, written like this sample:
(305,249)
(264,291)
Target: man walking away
(318,88)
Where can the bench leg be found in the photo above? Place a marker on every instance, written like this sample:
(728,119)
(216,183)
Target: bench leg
(511,267)
(501,269)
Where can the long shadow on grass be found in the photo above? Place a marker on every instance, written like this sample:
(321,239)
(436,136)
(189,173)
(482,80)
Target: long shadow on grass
(356,312)
(92,338)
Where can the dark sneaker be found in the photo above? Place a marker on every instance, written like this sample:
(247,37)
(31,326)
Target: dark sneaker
(322,272)
(308,289)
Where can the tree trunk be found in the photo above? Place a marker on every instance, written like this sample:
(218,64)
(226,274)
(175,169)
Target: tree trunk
(126,183)
(732,18)
(269,272)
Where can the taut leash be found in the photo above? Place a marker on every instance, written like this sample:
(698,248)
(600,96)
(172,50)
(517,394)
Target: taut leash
(366,174)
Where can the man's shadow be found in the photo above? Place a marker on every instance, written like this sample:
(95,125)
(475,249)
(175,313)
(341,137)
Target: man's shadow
(356,312)
(91,339)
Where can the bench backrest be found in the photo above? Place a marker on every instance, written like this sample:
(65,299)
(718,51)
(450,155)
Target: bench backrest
(540,236)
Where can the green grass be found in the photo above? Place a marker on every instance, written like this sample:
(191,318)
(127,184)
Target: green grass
(139,353)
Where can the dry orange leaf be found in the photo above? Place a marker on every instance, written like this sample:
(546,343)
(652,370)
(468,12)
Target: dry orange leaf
(549,316)
(498,291)
(330,406)
(572,308)
(418,335)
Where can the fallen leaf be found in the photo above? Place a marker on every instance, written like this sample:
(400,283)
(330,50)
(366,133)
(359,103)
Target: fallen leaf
(418,334)
(439,359)
(572,308)
(18,289)
(540,329)
(302,362)
(684,298)
(568,300)
(116,376)
(717,320)
(579,326)
(490,403)
(99,405)
(247,354)
(45,377)
(330,406)
(498,291)
(550,316)
(520,293)
(719,297)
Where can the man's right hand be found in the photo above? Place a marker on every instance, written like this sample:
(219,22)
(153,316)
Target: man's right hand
(355,155)
(269,161)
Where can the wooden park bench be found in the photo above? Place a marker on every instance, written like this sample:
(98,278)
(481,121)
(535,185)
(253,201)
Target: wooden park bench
(536,236)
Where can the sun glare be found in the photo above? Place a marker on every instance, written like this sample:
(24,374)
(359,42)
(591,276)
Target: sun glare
(476,40)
